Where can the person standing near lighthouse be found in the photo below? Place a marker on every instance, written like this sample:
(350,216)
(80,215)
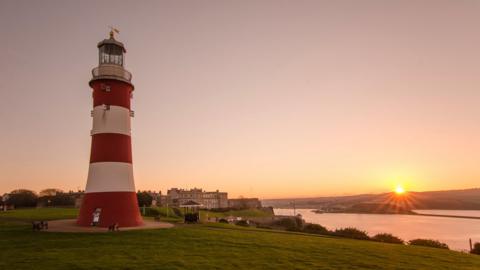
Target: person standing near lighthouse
(110,184)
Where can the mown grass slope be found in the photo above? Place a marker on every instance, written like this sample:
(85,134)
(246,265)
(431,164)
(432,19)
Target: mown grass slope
(210,247)
(29,214)
(237,213)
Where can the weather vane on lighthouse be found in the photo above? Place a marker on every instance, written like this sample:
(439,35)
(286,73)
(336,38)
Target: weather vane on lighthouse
(110,196)
(113,30)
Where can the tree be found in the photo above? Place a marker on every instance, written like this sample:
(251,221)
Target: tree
(50,192)
(55,197)
(22,198)
(144,198)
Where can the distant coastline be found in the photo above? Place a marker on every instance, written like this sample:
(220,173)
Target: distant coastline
(466,199)
(448,216)
(382,211)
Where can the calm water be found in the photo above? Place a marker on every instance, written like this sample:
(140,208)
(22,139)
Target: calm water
(455,232)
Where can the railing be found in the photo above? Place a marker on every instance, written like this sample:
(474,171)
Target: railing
(111,71)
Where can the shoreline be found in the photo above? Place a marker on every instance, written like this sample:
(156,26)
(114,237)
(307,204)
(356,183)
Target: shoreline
(448,216)
(411,214)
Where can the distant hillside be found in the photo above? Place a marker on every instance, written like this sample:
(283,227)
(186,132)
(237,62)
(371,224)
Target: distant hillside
(378,208)
(467,199)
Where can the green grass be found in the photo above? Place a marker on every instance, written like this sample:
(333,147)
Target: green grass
(172,217)
(206,247)
(237,213)
(29,214)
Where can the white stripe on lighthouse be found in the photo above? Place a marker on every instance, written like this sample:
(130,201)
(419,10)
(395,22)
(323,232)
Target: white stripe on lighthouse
(110,177)
(111,119)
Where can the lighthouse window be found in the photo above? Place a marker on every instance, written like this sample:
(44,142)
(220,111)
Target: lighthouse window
(105,58)
(111,54)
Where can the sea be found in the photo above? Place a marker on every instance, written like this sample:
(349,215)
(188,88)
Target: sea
(454,231)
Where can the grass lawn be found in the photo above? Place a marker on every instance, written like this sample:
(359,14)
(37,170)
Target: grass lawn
(236,213)
(205,247)
(171,216)
(29,214)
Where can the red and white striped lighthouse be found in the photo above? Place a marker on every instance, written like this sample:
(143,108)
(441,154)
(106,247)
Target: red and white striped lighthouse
(110,192)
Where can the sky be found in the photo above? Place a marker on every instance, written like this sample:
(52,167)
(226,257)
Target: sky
(264,98)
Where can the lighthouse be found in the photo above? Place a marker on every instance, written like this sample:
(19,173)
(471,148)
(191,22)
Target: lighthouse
(110,196)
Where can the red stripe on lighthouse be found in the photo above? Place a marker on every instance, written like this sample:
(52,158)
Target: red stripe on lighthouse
(117,207)
(111,92)
(112,147)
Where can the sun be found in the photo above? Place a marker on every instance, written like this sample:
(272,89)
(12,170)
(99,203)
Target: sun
(399,190)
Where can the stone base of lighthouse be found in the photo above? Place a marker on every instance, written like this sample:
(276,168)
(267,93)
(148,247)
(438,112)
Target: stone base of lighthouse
(116,207)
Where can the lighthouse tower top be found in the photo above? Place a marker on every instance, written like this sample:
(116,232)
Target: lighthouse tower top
(111,60)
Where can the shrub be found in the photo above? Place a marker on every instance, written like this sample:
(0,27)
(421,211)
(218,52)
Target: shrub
(289,224)
(262,226)
(352,233)
(299,222)
(387,238)
(268,209)
(219,210)
(242,222)
(428,243)
(192,217)
(178,212)
(164,211)
(151,212)
(222,220)
(160,212)
(315,229)
(284,222)
(476,249)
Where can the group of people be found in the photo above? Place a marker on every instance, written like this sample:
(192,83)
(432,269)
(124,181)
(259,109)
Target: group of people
(39,225)
(43,225)
(114,227)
